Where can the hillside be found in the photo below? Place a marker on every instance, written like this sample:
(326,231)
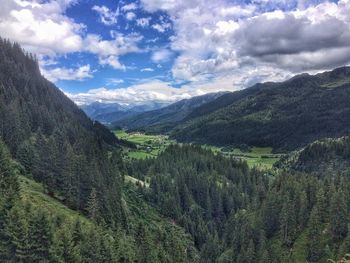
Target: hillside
(35,227)
(163,119)
(236,214)
(52,138)
(326,156)
(284,115)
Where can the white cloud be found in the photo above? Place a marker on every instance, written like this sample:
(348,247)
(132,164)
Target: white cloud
(143,22)
(156,91)
(161,28)
(80,74)
(163,92)
(112,61)
(161,55)
(147,70)
(109,51)
(130,16)
(107,16)
(131,6)
(114,81)
(41,27)
(221,37)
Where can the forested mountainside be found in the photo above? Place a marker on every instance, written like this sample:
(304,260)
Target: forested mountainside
(327,156)
(240,215)
(35,227)
(63,196)
(284,115)
(161,120)
(52,138)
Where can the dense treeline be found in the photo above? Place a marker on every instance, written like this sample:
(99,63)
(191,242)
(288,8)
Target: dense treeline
(28,233)
(239,215)
(324,157)
(52,138)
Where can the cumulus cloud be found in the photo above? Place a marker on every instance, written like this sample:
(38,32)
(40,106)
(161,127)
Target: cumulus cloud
(128,7)
(161,28)
(163,92)
(155,90)
(41,27)
(222,37)
(80,74)
(109,51)
(161,55)
(107,16)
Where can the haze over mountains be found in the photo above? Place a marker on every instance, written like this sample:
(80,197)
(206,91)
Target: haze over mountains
(108,113)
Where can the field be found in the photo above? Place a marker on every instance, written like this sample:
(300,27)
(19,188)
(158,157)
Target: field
(149,146)
(259,157)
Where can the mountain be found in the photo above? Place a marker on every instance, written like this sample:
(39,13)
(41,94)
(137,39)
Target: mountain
(62,195)
(165,118)
(111,112)
(97,108)
(284,115)
(57,144)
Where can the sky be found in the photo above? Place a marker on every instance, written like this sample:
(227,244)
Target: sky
(135,52)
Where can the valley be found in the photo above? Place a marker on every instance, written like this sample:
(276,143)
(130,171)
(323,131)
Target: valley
(260,175)
(150,146)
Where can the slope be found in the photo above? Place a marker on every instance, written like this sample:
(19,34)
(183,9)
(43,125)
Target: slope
(326,156)
(284,115)
(36,227)
(52,138)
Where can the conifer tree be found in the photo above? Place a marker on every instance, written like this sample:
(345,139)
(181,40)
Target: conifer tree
(39,237)
(338,216)
(315,247)
(93,206)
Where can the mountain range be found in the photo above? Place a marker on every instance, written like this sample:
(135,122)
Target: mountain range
(283,115)
(108,113)
(165,118)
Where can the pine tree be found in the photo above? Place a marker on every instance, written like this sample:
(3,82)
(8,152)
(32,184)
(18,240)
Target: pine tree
(8,196)
(288,222)
(17,229)
(262,251)
(39,237)
(146,252)
(338,216)
(93,206)
(315,247)
(250,253)
(64,249)
(77,235)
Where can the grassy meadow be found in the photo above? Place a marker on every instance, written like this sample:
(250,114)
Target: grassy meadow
(149,146)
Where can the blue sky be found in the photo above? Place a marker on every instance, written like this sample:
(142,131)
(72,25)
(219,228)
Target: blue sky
(133,52)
